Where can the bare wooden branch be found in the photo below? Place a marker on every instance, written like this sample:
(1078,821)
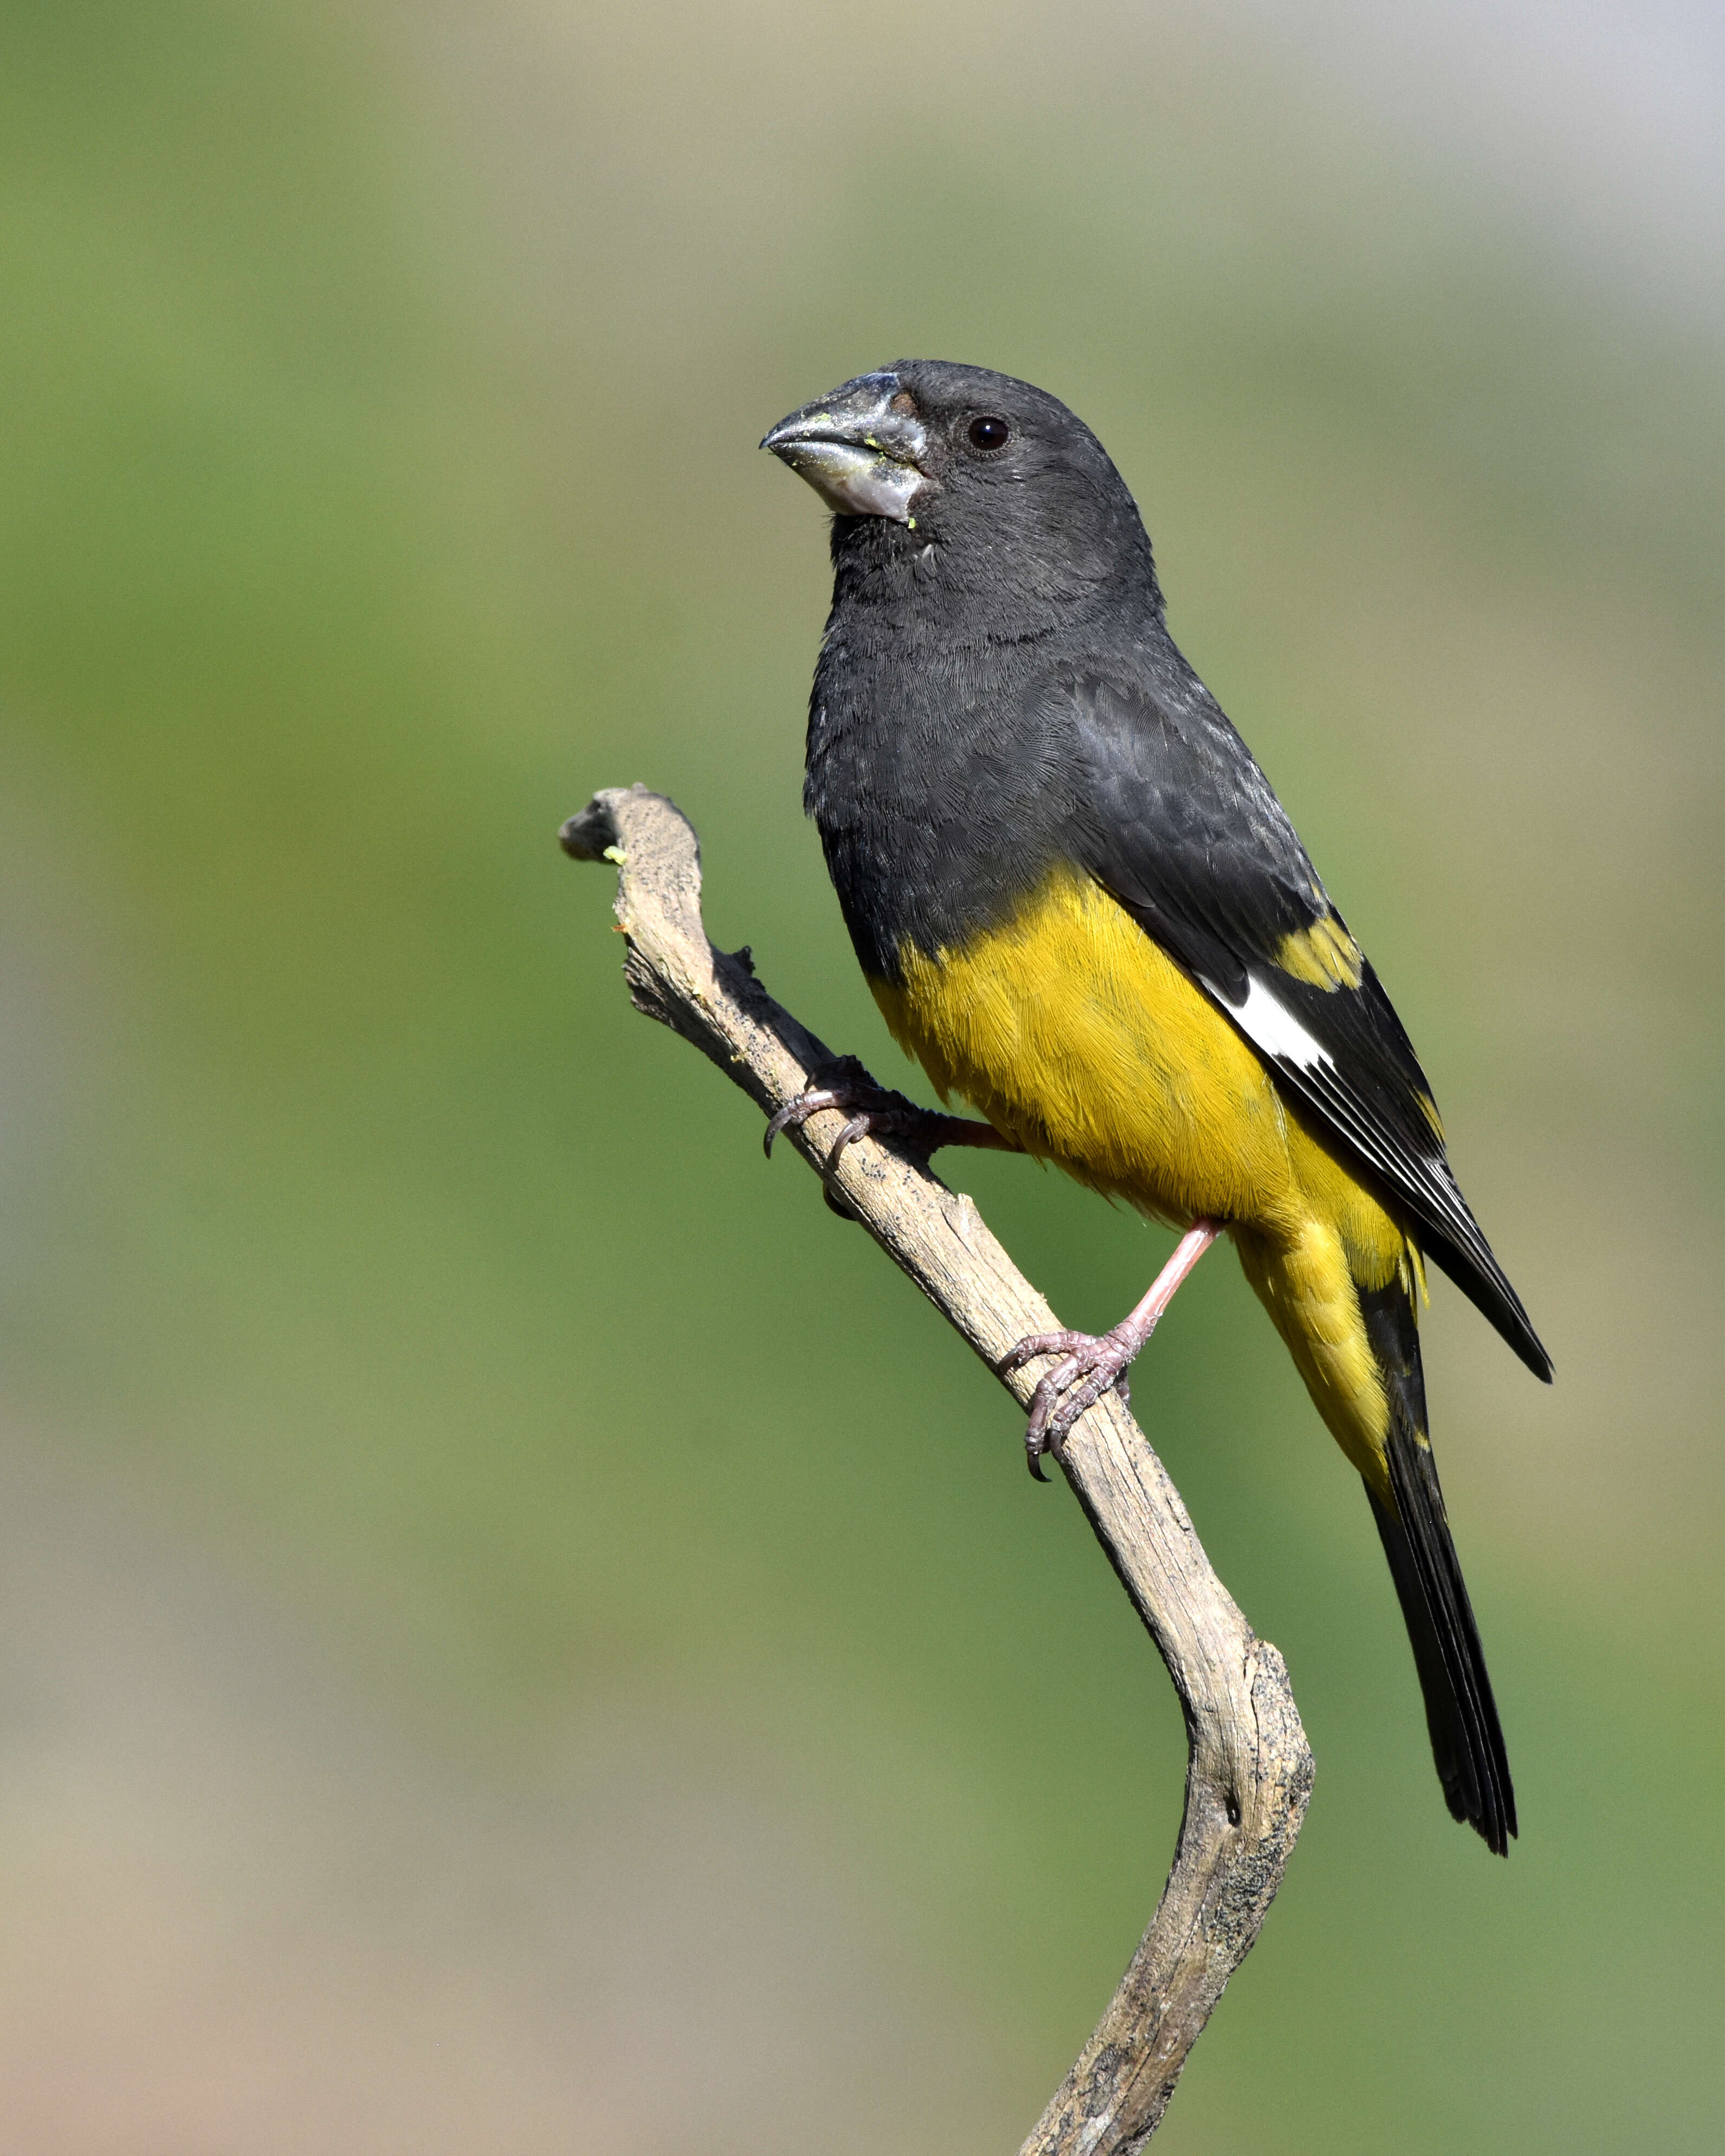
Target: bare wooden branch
(1248,1774)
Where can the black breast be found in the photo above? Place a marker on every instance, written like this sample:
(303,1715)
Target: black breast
(942,792)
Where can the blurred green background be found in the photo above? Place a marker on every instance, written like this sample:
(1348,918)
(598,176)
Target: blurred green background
(521,1633)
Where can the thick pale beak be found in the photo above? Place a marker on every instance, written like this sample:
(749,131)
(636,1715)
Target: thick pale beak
(861,457)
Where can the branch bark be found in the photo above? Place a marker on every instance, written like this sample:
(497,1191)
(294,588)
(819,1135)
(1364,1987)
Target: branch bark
(1249,1772)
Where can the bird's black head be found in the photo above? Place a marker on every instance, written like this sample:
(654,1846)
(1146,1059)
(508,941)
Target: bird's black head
(959,479)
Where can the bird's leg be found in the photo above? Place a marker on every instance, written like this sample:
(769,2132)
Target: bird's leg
(876,1113)
(1090,1363)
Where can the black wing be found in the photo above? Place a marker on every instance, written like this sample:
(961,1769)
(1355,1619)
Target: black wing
(1179,823)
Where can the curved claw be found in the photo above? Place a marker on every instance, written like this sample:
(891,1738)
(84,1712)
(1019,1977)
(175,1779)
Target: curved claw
(859,1127)
(796,1112)
(874,1112)
(1089,1365)
(1042,1400)
(1039,1439)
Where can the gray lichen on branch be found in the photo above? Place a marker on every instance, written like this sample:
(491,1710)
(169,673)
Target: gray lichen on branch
(1249,1770)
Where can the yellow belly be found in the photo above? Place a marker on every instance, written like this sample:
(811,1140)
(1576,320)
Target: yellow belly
(1076,1035)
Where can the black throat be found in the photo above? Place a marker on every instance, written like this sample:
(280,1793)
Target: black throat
(943,773)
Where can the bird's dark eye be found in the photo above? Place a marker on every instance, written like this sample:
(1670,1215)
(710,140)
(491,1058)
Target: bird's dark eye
(989,433)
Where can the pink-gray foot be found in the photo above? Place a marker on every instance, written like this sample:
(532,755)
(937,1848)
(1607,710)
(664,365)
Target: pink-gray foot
(875,1112)
(1091,1363)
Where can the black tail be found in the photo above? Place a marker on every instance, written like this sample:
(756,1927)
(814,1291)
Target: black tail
(1466,1742)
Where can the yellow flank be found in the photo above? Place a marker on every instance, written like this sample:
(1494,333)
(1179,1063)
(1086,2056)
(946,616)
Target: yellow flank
(1325,954)
(1076,1035)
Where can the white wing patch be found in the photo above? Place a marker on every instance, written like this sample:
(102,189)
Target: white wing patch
(1271,1026)
(1411,1163)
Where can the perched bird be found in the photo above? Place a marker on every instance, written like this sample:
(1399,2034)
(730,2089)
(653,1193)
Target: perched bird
(1081,908)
